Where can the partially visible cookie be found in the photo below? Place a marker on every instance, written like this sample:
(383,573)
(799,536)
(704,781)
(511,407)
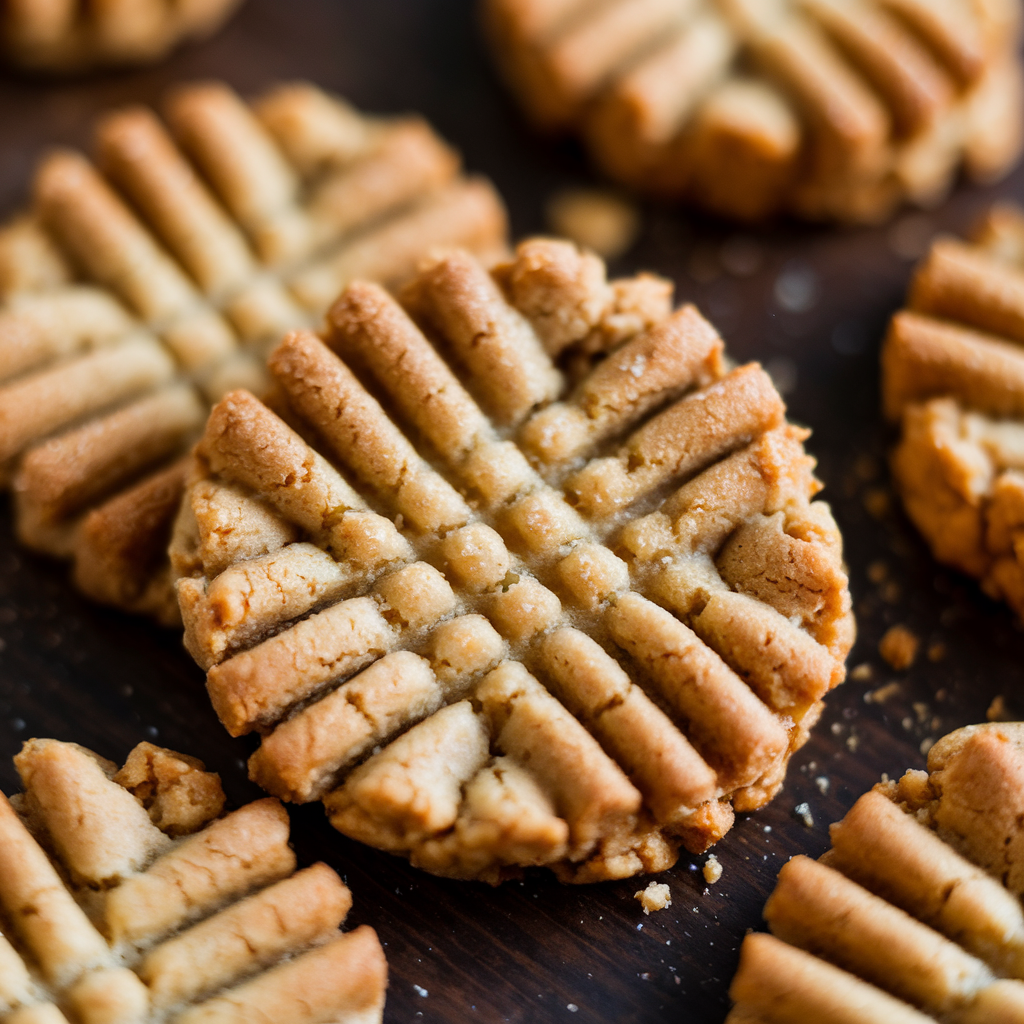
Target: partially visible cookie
(953,379)
(514,570)
(914,914)
(140,288)
(127,898)
(77,35)
(831,109)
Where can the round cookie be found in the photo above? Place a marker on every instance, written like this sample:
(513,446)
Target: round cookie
(914,914)
(515,569)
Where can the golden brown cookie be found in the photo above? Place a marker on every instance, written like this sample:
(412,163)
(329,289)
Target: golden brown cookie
(66,36)
(831,109)
(514,570)
(914,914)
(140,288)
(128,897)
(953,379)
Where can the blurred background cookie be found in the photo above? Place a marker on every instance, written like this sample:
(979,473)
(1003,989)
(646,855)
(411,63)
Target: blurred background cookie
(953,379)
(140,288)
(68,36)
(830,109)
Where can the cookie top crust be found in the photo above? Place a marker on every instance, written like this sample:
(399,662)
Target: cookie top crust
(128,896)
(514,569)
(75,35)
(914,914)
(953,379)
(830,109)
(142,286)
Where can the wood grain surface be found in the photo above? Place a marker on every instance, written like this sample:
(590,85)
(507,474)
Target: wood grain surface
(811,303)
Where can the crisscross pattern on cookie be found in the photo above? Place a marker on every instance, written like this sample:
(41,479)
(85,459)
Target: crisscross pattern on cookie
(127,897)
(499,602)
(73,35)
(914,914)
(143,287)
(835,109)
(953,378)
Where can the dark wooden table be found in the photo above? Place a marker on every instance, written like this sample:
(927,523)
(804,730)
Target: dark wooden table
(810,303)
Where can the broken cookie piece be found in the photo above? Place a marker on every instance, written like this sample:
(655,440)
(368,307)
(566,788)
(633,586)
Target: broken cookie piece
(140,288)
(118,907)
(516,571)
(953,379)
(77,36)
(830,109)
(657,896)
(914,914)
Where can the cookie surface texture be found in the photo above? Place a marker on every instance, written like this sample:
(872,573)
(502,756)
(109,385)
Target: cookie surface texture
(953,380)
(914,914)
(514,570)
(140,288)
(829,109)
(128,896)
(75,35)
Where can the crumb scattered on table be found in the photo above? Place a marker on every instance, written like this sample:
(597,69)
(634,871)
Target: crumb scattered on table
(712,869)
(596,218)
(877,572)
(657,896)
(899,647)
(997,710)
(882,694)
(877,502)
(862,673)
(803,812)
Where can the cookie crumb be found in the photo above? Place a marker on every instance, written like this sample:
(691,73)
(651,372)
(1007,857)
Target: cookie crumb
(595,218)
(877,502)
(882,694)
(997,710)
(657,896)
(803,812)
(712,869)
(899,647)
(862,673)
(877,572)
(823,783)
(936,651)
